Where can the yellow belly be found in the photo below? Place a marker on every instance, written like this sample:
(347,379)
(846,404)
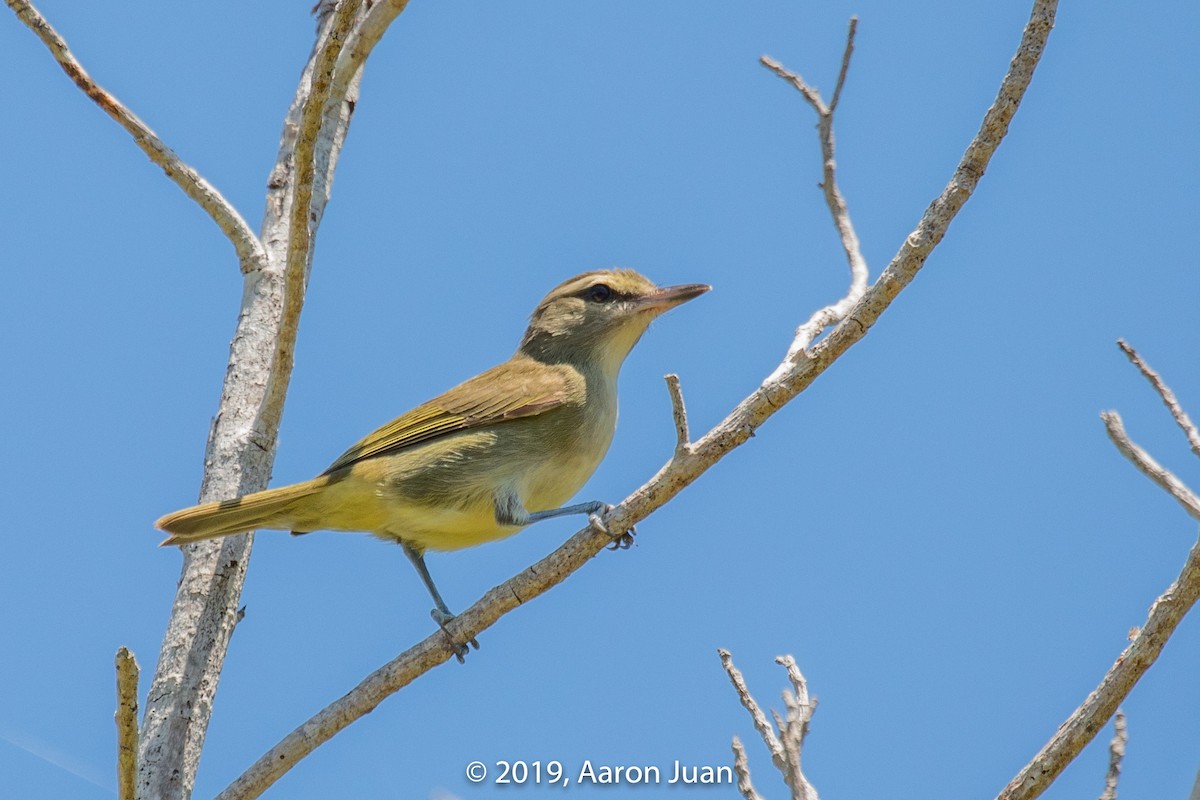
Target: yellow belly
(441,496)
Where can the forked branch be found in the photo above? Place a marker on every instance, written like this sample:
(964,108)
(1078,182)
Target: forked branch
(1145,644)
(859,275)
(241,443)
(785,741)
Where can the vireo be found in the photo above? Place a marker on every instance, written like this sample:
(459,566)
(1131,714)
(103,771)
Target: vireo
(502,450)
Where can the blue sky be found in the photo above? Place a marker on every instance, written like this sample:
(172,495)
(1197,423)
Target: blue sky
(938,530)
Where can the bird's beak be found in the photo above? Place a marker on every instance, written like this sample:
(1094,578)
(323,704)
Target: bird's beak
(668,297)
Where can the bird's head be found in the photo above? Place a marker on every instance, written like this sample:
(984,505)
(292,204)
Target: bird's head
(596,318)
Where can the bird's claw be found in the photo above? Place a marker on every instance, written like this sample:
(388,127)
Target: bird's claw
(623,541)
(443,618)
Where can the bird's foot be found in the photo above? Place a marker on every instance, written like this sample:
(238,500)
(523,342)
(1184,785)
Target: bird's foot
(443,618)
(622,541)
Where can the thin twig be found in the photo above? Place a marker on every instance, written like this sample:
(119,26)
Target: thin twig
(741,768)
(786,382)
(849,51)
(127,724)
(1168,397)
(834,313)
(683,440)
(761,724)
(249,249)
(1116,752)
(800,706)
(787,764)
(800,709)
(810,94)
(1145,462)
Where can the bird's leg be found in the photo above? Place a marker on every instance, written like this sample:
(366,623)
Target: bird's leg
(441,614)
(511,511)
(592,509)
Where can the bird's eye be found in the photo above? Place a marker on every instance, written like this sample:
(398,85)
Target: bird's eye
(600,293)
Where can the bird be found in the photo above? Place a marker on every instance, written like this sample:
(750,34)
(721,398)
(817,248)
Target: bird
(485,459)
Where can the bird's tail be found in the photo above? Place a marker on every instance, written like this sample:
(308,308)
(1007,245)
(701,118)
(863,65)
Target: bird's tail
(273,508)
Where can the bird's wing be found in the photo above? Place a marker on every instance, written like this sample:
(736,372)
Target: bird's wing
(512,390)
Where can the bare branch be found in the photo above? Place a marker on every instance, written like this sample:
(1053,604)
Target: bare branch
(311,116)
(1168,397)
(1116,752)
(1145,462)
(127,725)
(841,80)
(810,94)
(249,249)
(302,221)
(362,41)
(800,710)
(774,746)
(1146,642)
(786,750)
(788,380)
(741,768)
(679,411)
(241,446)
(799,684)
(859,274)
(1086,721)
